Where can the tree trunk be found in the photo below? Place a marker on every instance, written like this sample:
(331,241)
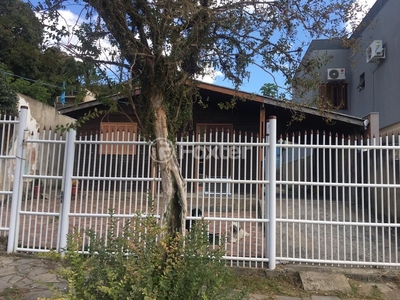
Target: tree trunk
(173,186)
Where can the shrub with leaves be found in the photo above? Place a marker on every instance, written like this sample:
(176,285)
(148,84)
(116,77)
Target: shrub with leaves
(144,262)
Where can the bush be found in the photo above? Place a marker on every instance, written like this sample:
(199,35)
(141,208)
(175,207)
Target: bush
(143,262)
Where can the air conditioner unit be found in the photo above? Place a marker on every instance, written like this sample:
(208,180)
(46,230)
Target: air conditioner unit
(375,51)
(336,74)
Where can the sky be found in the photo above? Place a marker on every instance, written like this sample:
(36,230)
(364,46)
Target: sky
(257,78)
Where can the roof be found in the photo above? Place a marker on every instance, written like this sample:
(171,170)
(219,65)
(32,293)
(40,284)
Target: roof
(325,44)
(294,106)
(251,97)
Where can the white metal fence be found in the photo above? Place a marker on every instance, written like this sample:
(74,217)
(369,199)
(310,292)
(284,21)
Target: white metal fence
(333,201)
(337,202)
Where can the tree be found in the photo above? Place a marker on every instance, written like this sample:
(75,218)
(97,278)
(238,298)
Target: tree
(20,37)
(8,97)
(57,67)
(270,90)
(38,71)
(163,44)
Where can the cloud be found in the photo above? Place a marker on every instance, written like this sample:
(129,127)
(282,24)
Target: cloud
(210,76)
(365,6)
(70,22)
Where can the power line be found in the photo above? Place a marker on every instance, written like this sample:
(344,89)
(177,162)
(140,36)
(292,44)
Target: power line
(32,80)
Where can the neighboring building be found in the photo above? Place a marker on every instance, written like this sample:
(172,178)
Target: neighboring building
(365,80)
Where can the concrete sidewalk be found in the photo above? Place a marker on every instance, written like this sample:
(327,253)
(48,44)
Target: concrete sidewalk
(32,277)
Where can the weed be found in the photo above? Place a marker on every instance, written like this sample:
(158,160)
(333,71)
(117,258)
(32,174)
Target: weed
(13,293)
(144,262)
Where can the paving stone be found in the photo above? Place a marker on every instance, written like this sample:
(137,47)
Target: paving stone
(24,283)
(37,271)
(365,289)
(7,270)
(48,277)
(327,282)
(317,297)
(13,279)
(390,291)
(27,261)
(40,294)
(6,260)
(7,278)
(24,269)
(3,285)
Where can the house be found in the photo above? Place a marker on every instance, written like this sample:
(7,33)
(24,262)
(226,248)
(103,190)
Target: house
(247,119)
(363,79)
(250,115)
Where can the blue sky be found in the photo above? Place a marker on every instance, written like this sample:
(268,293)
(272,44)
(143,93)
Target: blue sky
(258,77)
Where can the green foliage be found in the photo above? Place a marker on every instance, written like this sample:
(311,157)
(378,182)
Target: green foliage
(57,67)
(270,90)
(143,262)
(8,97)
(20,36)
(34,90)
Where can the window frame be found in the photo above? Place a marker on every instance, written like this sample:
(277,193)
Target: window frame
(335,93)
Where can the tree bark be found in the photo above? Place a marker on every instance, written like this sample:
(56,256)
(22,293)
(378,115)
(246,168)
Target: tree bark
(173,185)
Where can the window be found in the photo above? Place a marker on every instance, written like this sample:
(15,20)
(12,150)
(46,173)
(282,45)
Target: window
(335,94)
(118,131)
(361,84)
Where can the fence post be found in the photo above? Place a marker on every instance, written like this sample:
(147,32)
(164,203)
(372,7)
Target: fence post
(272,193)
(66,191)
(17,184)
(266,189)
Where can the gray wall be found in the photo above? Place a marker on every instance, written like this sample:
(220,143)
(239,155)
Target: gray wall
(338,58)
(382,87)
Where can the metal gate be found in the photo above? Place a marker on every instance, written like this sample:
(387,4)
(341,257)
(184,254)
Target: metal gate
(38,195)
